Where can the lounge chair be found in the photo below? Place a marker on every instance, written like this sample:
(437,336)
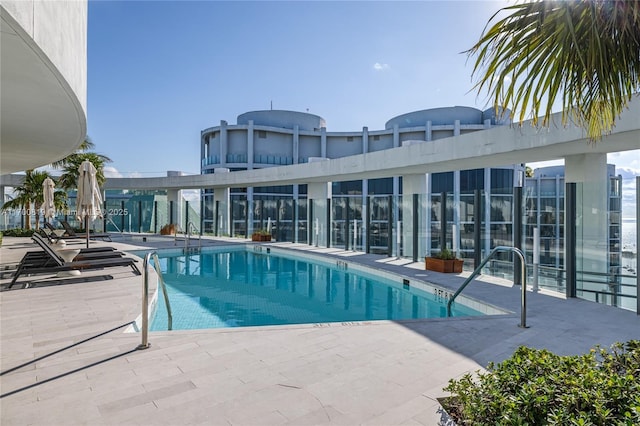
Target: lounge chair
(49,233)
(50,262)
(84,252)
(92,235)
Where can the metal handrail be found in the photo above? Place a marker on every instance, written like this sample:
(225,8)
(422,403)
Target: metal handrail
(145,297)
(523,281)
(190,226)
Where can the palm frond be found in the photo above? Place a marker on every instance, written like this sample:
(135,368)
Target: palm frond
(584,54)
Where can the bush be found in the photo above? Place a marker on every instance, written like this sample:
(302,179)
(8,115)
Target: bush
(538,387)
(445,254)
(18,232)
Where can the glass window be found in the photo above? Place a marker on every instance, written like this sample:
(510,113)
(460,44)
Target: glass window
(353,187)
(471,180)
(382,186)
(442,182)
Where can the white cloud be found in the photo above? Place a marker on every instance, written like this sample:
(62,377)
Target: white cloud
(381,66)
(111,172)
(627,172)
(191,195)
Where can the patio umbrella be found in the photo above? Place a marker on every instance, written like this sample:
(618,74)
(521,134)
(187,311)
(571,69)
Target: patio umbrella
(88,200)
(47,192)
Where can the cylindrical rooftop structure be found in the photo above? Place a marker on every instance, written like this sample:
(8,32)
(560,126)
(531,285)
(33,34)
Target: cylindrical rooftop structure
(282,118)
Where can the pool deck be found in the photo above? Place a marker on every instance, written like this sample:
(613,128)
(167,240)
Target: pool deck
(65,359)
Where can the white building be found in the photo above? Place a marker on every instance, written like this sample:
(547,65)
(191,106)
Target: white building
(270,138)
(43,101)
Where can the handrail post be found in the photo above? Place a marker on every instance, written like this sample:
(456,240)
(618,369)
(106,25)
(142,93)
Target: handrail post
(145,303)
(145,298)
(523,280)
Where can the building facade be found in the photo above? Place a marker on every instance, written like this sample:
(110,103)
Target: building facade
(271,138)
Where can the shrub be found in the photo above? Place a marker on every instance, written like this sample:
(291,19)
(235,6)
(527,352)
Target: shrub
(18,232)
(445,254)
(538,387)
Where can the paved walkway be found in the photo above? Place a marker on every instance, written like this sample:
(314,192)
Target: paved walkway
(66,361)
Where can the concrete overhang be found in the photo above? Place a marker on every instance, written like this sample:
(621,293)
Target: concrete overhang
(42,120)
(495,147)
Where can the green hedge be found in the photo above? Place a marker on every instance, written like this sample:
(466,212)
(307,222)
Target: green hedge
(18,232)
(537,387)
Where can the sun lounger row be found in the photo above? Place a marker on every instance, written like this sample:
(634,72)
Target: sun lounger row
(48,261)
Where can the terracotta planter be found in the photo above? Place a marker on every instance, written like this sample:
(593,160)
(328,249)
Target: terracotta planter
(260,237)
(442,265)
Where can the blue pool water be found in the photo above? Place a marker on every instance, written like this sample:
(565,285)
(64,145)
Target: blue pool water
(239,287)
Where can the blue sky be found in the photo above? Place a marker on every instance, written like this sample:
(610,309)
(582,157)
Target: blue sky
(161,71)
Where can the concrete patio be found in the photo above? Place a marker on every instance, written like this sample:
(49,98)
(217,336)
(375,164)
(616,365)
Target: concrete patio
(66,360)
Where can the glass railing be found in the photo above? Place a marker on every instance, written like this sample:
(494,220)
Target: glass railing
(415,226)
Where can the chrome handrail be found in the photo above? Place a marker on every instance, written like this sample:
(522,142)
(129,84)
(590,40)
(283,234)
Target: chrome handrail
(523,281)
(145,297)
(191,226)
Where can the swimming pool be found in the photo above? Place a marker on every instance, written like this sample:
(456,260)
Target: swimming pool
(245,286)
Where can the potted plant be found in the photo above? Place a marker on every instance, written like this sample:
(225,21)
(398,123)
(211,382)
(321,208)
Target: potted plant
(261,235)
(444,261)
(169,229)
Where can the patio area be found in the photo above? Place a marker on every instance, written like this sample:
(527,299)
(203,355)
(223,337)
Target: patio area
(67,360)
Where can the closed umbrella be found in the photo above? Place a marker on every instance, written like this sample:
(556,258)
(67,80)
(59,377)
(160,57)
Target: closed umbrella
(88,200)
(47,191)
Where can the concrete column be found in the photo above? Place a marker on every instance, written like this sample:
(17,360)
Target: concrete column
(250,144)
(427,214)
(250,211)
(175,195)
(428,132)
(318,193)
(365,140)
(296,197)
(456,128)
(487,212)
(323,142)
(365,212)
(589,171)
(412,184)
(223,195)
(456,208)
(396,136)
(204,151)
(223,142)
(296,143)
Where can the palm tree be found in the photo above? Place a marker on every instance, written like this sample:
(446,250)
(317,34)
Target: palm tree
(585,52)
(31,193)
(85,146)
(69,178)
(71,163)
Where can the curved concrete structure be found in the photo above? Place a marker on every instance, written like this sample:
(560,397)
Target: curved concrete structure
(437,116)
(490,148)
(44,81)
(282,118)
(277,138)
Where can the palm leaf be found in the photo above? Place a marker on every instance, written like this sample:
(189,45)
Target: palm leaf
(584,54)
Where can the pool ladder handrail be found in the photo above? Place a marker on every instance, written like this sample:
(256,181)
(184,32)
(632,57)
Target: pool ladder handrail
(191,226)
(523,281)
(145,297)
